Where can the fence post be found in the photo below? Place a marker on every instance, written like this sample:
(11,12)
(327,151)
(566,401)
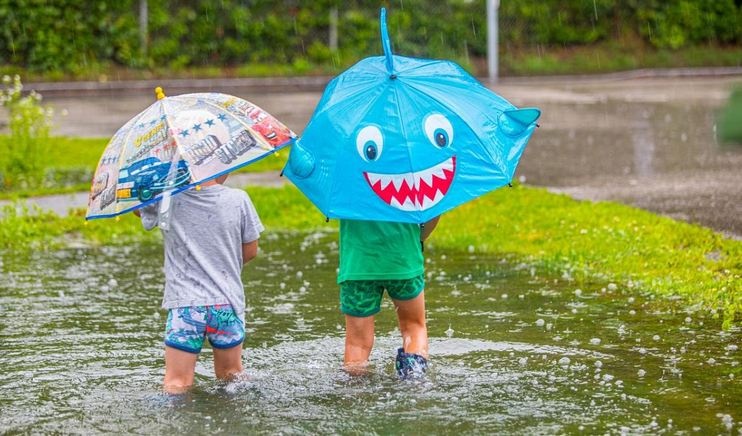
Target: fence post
(492,30)
(333,42)
(143,27)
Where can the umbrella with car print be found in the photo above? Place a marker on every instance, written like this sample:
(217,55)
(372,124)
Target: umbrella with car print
(177,143)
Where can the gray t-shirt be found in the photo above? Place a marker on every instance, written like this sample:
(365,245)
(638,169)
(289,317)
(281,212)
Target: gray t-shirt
(203,246)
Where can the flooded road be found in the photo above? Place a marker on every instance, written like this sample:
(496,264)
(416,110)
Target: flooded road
(512,352)
(646,142)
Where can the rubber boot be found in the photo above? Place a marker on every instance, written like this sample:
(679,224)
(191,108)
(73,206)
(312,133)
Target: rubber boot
(410,365)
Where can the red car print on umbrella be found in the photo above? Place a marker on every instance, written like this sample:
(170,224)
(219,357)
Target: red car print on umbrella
(274,132)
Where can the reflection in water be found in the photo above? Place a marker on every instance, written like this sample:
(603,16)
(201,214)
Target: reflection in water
(643,142)
(512,351)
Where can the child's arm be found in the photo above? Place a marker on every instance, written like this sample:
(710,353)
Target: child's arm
(148,215)
(428,227)
(249,251)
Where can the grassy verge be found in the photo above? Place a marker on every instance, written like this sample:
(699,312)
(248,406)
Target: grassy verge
(613,56)
(533,60)
(586,241)
(71,162)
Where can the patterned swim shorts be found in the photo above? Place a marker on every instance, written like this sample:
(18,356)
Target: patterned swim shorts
(362,298)
(187,327)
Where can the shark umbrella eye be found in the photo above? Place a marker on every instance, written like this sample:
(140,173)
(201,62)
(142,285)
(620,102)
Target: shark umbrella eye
(438,130)
(370,151)
(369,143)
(440,138)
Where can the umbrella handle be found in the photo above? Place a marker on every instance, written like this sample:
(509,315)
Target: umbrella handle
(386,44)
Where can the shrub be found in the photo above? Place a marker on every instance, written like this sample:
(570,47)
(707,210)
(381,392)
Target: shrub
(23,151)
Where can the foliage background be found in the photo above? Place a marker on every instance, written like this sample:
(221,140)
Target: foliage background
(75,35)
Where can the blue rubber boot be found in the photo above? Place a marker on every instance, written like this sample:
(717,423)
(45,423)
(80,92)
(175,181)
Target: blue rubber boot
(410,365)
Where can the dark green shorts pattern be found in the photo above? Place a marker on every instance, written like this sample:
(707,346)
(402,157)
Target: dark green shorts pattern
(362,298)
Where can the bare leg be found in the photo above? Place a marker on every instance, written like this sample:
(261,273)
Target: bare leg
(411,315)
(180,367)
(359,339)
(228,362)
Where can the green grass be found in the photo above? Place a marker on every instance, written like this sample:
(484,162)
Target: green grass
(730,119)
(610,57)
(587,241)
(533,60)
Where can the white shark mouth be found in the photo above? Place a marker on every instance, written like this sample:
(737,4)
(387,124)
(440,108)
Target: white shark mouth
(414,191)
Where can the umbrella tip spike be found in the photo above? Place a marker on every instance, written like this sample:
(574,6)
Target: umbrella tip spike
(386,44)
(159,93)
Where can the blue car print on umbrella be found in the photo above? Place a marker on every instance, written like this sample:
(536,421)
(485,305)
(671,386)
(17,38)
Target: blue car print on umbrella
(148,177)
(402,139)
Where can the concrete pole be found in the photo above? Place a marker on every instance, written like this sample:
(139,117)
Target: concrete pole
(492,30)
(143,27)
(333,29)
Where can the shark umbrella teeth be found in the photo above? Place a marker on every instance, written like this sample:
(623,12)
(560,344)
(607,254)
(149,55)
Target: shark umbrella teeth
(414,191)
(401,139)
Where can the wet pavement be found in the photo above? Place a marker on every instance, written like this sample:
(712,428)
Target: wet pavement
(645,141)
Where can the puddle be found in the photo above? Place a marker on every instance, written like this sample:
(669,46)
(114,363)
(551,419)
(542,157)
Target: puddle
(512,352)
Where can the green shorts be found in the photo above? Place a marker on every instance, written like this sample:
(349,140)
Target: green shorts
(362,298)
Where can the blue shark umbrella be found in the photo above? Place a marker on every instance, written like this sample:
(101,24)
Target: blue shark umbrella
(402,139)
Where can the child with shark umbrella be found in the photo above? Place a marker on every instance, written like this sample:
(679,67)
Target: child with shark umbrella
(394,143)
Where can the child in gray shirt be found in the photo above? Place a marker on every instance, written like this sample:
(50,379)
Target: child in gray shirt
(211,233)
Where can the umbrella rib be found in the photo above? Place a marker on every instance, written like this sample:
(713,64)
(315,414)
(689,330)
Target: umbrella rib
(134,121)
(128,135)
(404,130)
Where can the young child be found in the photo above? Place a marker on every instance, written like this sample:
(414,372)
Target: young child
(212,232)
(377,256)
